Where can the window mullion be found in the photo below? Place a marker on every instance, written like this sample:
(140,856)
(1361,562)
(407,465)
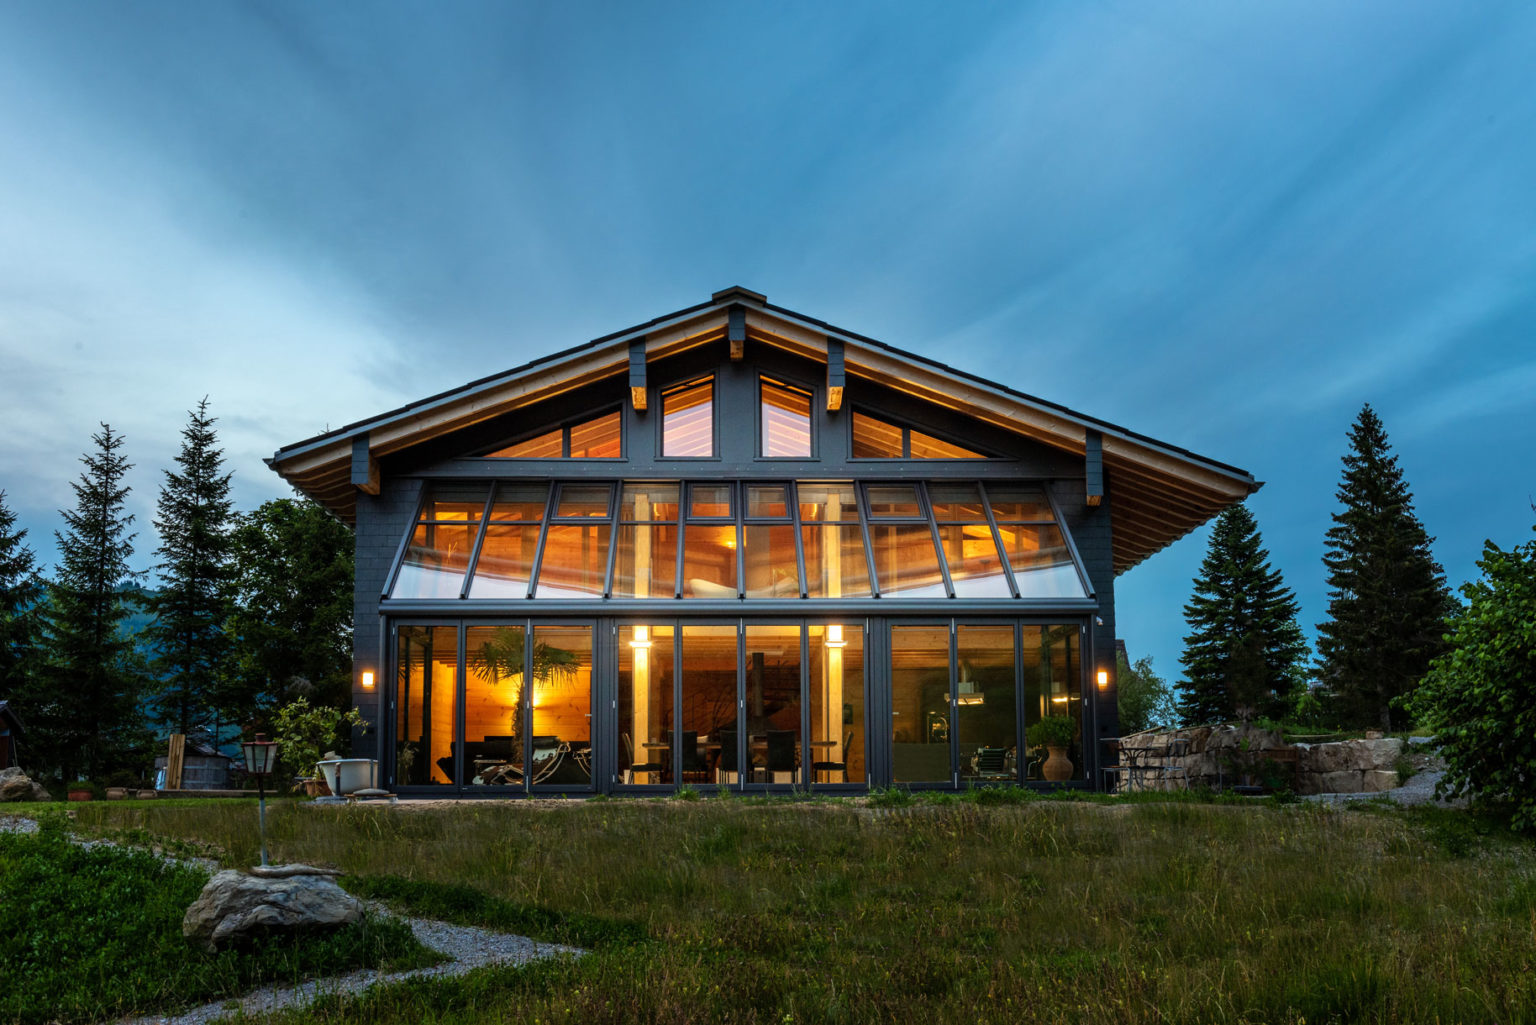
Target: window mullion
(474,549)
(997,538)
(538,553)
(793,494)
(933,532)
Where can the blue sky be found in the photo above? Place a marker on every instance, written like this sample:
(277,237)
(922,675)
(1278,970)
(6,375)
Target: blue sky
(1223,225)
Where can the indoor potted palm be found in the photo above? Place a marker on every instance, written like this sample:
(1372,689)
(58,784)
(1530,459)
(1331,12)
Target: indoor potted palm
(1054,733)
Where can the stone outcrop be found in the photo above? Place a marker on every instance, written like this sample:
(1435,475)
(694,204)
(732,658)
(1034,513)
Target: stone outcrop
(235,905)
(1224,756)
(15,785)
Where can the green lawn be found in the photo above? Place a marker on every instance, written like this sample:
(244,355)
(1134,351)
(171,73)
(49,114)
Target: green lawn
(939,911)
(88,934)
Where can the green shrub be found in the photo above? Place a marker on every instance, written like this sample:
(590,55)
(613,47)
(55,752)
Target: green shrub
(1480,696)
(1052,731)
(95,933)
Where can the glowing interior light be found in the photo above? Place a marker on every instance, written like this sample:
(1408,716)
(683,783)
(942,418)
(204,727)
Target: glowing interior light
(835,636)
(642,638)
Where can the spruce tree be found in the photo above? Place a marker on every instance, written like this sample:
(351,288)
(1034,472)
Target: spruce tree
(1387,598)
(193,602)
(1245,652)
(20,591)
(88,711)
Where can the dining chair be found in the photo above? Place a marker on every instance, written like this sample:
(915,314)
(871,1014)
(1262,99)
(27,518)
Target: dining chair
(781,755)
(629,773)
(817,768)
(729,764)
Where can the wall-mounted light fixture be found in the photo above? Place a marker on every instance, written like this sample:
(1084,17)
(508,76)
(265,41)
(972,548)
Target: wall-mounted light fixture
(367,679)
(1103,678)
(835,636)
(642,640)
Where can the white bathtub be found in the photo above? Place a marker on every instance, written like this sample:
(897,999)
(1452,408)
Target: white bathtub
(348,775)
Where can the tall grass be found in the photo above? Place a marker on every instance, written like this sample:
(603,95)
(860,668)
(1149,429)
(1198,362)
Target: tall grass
(955,911)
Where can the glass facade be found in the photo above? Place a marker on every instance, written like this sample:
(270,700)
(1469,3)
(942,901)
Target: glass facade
(688,420)
(738,540)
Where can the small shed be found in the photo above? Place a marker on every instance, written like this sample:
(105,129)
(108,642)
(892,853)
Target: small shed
(10,730)
(203,768)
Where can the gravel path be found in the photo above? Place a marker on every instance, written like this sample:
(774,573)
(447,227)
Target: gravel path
(468,947)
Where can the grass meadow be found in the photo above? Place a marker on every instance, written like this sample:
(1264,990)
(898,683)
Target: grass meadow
(926,910)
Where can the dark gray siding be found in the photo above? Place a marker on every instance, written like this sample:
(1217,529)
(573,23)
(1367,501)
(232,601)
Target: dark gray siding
(381,524)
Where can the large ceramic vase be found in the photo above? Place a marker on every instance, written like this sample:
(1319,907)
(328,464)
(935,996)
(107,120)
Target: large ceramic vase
(1058,766)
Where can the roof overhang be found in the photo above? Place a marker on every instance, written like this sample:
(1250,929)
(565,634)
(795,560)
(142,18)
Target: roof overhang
(1160,492)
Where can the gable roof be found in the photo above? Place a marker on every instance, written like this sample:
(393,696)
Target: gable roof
(1160,492)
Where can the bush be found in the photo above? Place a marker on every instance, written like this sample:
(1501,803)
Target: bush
(1052,731)
(1480,696)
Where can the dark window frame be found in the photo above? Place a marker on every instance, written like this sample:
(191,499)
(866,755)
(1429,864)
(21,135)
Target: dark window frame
(788,384)
(713,379)
(564,427)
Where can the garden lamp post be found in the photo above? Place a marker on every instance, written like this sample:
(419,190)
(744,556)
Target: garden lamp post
(260,755)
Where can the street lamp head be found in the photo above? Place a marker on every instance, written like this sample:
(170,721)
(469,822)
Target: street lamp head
(260,755)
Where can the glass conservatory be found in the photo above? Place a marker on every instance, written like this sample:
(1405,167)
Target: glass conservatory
(737,548)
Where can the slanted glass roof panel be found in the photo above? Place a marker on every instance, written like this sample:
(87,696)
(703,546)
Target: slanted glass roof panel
(906,564)
(464,503)
(772,568)
(827,502)
(956,503)
(709,500)
(975,566)
(645,566)
(575,562)
(506,561)
(523,502)
(767,502)
(835,563)
(1042,563)
(649,502)
(1016,503)
(893,500)
(435,561)
(709,561)
(583,500)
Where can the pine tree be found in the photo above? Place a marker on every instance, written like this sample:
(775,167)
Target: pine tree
(1245,652)
(194,599)
(89,714)
(20,591)
(1387,598)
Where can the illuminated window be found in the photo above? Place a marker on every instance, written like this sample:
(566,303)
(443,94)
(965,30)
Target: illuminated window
(786,414)
(878,439)
(771,564)
(511,540)
(688,420)
(645,565)
(598,438)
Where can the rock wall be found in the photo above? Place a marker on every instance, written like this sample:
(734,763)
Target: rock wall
(1224,756)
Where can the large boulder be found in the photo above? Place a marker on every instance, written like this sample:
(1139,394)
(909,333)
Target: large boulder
(234,905)
(16,786)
